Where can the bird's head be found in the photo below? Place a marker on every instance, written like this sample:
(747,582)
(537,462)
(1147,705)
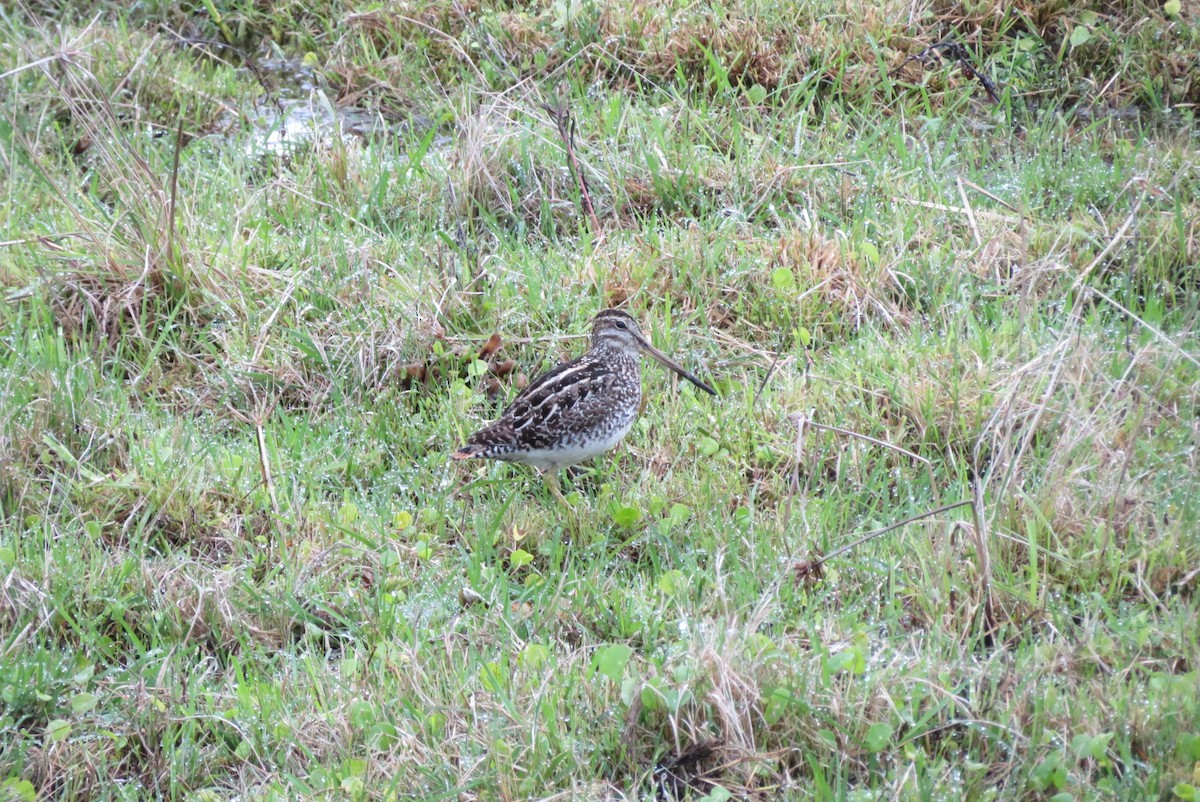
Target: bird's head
(615,329)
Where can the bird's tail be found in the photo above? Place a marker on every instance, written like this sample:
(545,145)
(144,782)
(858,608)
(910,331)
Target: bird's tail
(469,451)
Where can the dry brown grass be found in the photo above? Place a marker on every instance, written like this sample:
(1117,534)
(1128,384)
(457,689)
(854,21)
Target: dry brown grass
(131,276)
(831,42)
(1065,417)
(364,618)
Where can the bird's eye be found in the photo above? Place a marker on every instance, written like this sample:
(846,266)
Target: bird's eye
(620,324)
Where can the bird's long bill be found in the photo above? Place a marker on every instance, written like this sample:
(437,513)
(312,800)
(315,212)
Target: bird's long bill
(675,366)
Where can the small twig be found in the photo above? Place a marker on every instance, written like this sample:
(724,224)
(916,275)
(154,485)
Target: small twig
(1112,243)
(174,187)
(265,464)
(985,558)
(985,193)
(465,255)
(262,410)
(851,433)
(460,235)
(30,66)
(962,193)
(797,458)
(18,133)
(867,437)
(953,51)
(1146,325)
(771,370)
(1070,331)
(45,240)
(261,342)
(879,532)
(941,207)
(141,59)
(246,57)
(1188,578)
(21,636)
(972,72)
(566,131)
(1029,427)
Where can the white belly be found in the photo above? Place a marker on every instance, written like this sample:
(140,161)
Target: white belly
(572,453)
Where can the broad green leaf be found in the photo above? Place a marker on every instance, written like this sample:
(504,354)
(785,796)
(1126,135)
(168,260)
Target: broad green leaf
(851,660)
(492,676)
(879,735)
(611,660)
(670,582)
(382,735)
(868,250)
(57,729)
(625,515)
(82,702)
(83,671)
(18,789)
(534,656)
(362,713)
(653,693)
(717,794)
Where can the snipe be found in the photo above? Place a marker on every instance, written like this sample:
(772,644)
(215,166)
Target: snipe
(579,409)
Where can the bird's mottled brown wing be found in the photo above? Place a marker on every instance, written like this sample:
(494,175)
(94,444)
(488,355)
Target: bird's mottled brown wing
(553,404)
(548,408)
(541,380)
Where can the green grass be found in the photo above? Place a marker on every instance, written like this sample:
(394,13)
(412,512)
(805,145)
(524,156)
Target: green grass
(235,560)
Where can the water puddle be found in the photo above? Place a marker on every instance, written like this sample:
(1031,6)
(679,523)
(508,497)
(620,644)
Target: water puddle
(297,112)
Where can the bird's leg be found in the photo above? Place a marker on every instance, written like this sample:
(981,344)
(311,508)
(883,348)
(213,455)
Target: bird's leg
(551,479)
